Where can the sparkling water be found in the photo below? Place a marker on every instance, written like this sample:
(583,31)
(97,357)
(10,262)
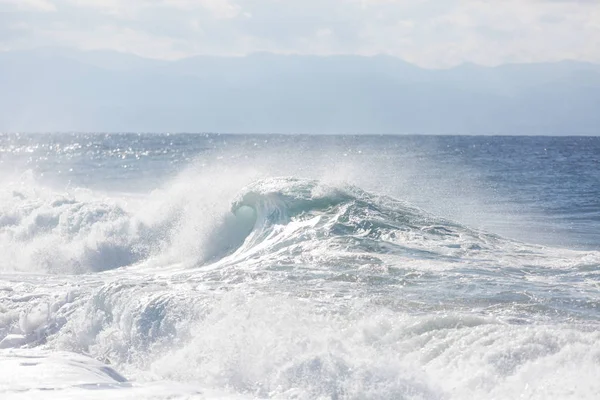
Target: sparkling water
(305,267)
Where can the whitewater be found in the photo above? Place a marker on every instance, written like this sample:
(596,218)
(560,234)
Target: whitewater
(142,266)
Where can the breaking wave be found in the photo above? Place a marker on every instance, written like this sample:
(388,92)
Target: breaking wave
(45,231)
(294,288)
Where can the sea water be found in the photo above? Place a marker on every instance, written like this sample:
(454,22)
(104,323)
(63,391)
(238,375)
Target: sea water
(305,267)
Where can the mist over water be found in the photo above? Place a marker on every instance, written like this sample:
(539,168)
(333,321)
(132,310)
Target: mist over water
(300,266)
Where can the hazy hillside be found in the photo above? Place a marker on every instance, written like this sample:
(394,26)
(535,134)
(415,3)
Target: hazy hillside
(66,90)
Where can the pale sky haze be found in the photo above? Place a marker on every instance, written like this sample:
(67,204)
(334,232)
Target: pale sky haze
(429,33)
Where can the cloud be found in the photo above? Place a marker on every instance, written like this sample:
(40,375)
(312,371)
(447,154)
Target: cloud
(27,5)
(220,9)
(428,32)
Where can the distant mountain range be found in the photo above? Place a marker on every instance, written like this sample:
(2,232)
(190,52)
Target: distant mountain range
(68,90)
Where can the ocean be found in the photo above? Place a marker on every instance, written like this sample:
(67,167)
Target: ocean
(166,266)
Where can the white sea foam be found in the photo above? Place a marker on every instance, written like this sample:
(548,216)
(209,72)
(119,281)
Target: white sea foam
(219,284)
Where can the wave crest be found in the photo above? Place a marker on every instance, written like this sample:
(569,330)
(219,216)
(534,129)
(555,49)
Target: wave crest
(308,221)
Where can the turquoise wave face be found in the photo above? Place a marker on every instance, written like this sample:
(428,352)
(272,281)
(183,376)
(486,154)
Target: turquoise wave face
(362,222)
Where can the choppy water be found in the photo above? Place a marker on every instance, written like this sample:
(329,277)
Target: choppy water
(334,267)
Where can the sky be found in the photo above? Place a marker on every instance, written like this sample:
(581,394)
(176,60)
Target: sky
(430,33)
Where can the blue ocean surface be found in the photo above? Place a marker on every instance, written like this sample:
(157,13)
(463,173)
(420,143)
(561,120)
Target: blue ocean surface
(299,266)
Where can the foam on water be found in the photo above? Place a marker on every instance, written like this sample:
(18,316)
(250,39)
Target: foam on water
(230,283)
